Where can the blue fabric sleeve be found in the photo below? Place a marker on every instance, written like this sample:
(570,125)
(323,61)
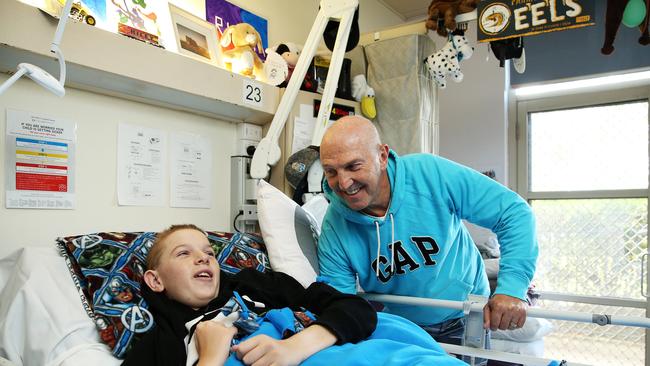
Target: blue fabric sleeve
(333,261)
(487,203)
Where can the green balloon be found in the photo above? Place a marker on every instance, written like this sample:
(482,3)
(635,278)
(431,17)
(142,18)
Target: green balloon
(634,13)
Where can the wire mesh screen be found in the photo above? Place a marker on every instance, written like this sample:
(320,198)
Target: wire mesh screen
(592,344)
(593,247)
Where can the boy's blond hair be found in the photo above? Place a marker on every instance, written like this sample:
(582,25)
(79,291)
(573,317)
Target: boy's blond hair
(153,258)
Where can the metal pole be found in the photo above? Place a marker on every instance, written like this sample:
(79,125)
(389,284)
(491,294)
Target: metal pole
(600,319)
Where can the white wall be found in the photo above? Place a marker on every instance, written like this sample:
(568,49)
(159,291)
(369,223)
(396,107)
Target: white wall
(473,129)
(97,119)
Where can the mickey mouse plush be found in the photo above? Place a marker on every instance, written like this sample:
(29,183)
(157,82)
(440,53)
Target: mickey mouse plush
(280,62)
(290,52)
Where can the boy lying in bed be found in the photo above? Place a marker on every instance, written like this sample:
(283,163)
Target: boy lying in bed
(186,287)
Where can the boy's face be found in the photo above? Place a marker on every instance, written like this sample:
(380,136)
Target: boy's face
(187,271)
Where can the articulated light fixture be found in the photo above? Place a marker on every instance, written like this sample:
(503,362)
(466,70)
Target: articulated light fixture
(40,76)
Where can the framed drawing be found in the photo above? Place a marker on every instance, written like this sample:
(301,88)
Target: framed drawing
(224,14)
(194,36)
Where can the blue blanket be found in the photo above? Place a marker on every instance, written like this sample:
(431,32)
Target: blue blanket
(396,341)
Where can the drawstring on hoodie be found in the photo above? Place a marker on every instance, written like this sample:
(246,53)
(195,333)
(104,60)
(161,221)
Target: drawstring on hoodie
(378,247)
(392,247)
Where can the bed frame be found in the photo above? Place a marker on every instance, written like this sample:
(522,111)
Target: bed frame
(473,309)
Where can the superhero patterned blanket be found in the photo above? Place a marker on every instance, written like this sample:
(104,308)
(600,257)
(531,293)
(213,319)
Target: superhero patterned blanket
(107,269)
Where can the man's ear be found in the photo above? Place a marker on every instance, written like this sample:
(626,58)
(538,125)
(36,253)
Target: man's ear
(383,155)
(153,280)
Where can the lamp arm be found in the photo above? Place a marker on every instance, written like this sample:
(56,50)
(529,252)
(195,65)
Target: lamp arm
(63,19)
(9,82)
(62,67)
(56,40)
(333,73)
(268,151)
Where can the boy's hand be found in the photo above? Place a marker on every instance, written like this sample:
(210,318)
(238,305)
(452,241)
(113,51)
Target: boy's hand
(213,342)
(262,350)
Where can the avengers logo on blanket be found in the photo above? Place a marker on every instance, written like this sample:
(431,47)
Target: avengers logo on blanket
(517,18)
(107,269)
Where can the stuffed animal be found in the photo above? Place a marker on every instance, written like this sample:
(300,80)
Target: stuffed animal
(446,60)
(613,18)
(280,62)
(238,43)
(363,93)
(445,11)
(290,52)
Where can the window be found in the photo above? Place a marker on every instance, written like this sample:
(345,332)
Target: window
(582,164)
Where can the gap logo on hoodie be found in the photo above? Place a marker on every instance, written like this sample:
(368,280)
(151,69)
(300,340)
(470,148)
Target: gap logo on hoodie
(427,247)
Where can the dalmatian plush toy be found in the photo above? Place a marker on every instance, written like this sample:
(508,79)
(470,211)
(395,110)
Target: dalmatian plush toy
(446,60)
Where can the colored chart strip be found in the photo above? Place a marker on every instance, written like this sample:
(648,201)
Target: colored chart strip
(41,182)
(33,155)
(42,169)
(41,144)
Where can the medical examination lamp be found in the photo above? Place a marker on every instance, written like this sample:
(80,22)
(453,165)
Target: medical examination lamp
(268,152)
(40,76)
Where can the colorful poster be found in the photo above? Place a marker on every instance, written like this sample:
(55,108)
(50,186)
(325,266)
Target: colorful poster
(40,161)
(224,14)
(146,21)
(498,19)
(91,12)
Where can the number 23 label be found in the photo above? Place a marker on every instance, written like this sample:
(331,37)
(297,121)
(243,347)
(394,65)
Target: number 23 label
(253,93)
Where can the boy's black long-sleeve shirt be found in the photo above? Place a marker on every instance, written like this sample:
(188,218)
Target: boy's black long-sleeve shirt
(349,317)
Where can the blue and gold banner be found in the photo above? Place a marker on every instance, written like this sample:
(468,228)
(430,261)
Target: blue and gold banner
(517,18)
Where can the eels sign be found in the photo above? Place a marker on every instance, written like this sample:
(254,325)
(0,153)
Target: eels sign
(517,18)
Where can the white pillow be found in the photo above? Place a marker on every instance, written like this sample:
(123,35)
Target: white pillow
(290,234)
(534,348)
(42,321)
(534,329)
(317,207)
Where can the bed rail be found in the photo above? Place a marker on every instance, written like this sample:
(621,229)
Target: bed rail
(600,319)
(471,306)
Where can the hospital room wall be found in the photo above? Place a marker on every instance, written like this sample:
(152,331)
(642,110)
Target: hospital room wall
(97,118)
(472,114)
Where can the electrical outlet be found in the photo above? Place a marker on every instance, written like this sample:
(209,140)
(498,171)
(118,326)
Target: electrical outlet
(247,131)
(250,212)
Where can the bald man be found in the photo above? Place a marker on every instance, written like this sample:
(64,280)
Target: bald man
(395,224)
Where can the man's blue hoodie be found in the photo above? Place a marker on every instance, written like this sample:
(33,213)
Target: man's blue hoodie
(420,247)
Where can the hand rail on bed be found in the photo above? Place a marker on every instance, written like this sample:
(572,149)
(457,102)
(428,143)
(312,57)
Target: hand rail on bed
(600,319)
(503,356)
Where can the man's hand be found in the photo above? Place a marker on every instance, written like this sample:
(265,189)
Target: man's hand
(263,350)
(504,312)
(213,342)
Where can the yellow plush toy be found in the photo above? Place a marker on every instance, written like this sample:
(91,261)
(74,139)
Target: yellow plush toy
(238,43)
(363,93)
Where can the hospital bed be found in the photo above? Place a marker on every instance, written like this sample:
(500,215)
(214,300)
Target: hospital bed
(43,321)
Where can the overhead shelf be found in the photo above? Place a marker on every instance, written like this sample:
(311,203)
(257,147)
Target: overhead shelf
(103,62)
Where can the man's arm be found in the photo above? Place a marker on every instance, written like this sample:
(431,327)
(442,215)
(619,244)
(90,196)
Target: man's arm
(332,261)
(487,203)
